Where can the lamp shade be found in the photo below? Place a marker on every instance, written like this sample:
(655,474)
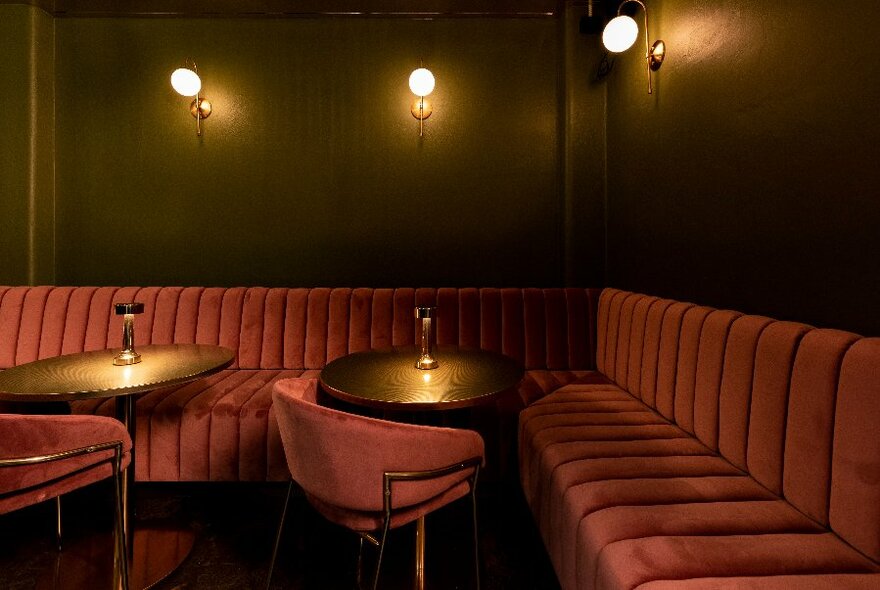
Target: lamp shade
(186,82)
(421,82)
(620,33)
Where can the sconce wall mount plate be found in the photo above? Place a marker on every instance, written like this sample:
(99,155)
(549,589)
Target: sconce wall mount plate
(421,108)
(200,107)
(657,54)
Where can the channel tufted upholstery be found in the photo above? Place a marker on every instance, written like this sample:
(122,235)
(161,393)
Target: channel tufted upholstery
(39,436)
(223,427)
(722,451)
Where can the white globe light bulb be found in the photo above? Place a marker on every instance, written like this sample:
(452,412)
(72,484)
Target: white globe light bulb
(421,82)
(186,82)
(620,33)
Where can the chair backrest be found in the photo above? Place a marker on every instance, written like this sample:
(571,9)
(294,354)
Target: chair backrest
(340,458)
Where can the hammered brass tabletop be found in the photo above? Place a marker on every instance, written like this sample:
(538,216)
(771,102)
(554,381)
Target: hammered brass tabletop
(92,374)
(388,379)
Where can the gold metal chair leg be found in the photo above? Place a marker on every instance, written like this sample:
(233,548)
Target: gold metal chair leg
(278,535)
(381,550)
(360,561)
(391,476)
(58,522)
(476,536)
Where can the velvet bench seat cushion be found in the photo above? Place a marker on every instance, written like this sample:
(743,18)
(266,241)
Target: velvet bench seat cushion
(722,450)
(623,497)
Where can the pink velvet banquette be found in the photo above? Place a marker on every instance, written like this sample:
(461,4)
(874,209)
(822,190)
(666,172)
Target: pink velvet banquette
(222,428)
(662,444)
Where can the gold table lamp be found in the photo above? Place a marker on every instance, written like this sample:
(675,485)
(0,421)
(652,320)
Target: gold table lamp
(128,310)
(426,359)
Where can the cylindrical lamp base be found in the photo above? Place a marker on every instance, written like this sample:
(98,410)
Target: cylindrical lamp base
(126,357)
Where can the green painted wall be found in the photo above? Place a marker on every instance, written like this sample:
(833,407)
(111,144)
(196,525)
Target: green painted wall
(310,171)
(582,135)
(26,145)
(750,179)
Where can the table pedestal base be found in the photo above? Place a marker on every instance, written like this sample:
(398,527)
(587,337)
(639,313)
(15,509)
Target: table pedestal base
(155,553)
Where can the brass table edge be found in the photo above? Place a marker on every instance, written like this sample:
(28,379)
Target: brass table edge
(480,400)
(108,393)
(475,401)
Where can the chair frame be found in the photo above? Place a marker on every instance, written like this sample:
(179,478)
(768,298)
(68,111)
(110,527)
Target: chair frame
(388,479)
(120,555)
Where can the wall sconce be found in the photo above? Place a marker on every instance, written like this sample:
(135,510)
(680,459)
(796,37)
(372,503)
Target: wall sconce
(186,82)
(621,32)
(421,82)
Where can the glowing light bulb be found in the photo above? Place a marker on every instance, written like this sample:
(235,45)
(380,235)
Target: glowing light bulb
(620,33)
(421,82)
(186,82)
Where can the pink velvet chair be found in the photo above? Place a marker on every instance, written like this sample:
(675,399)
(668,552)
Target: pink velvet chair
(372,475)
(43,457)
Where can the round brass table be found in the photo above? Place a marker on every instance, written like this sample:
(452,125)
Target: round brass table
(92,374)
(389,380)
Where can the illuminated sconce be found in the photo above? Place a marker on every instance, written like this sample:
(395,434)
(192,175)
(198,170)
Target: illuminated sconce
(621,32)
(421,82)
(128,356)
(426,358)
(186,82)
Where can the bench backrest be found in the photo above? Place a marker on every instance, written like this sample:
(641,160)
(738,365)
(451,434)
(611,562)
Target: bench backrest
(301,328)
(795,406)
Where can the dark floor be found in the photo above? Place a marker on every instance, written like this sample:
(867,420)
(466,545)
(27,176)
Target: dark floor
(236,526)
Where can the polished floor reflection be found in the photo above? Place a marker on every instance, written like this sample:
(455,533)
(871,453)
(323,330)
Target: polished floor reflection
(235,526)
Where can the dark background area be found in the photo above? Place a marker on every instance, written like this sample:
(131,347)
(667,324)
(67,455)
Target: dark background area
(747,180)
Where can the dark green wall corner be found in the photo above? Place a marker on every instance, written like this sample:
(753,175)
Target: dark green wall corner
(750,178)
(582,138)
(27,199)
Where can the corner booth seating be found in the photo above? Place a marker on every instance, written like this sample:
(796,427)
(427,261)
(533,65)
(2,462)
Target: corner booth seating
(722,451)
(664,445)
(222,428)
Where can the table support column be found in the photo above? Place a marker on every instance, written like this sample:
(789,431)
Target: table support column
(125,413)
(419,583)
